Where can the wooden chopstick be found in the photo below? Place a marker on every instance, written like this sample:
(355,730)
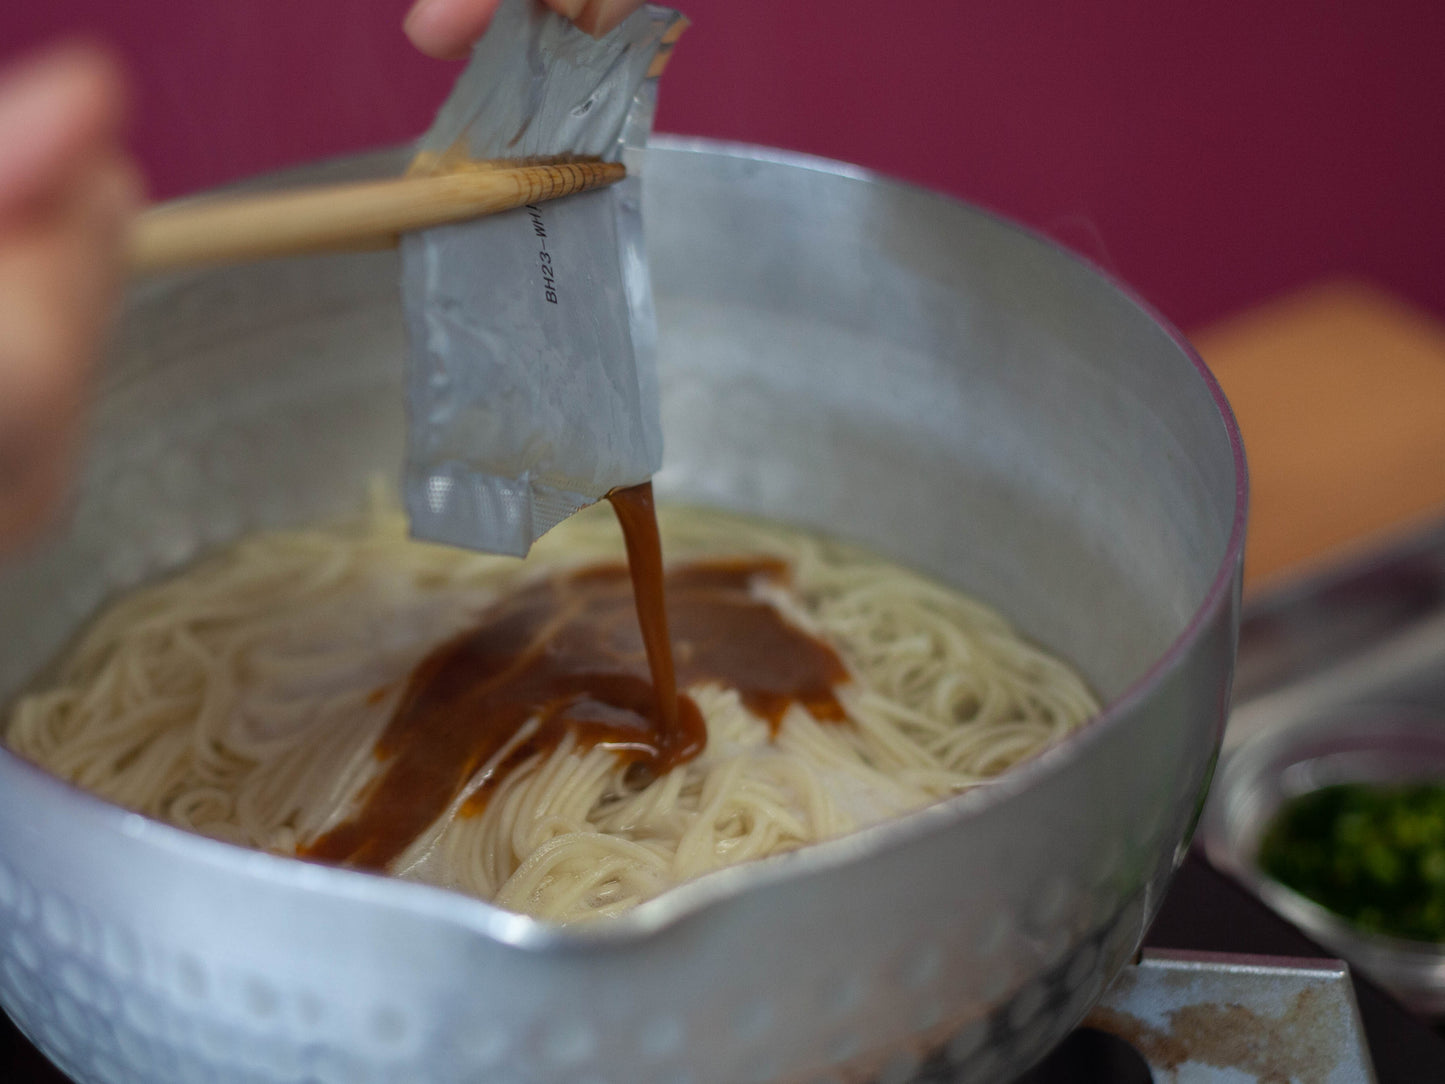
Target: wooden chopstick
(230,229)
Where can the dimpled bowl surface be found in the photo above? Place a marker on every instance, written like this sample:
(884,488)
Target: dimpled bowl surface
(838,351)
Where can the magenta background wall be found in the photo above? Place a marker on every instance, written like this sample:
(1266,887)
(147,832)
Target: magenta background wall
(1210,154)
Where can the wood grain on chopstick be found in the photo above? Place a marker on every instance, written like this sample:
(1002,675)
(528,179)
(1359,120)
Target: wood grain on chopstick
(231,229)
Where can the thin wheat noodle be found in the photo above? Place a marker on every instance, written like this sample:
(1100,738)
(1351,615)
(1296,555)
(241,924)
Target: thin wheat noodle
(244,697)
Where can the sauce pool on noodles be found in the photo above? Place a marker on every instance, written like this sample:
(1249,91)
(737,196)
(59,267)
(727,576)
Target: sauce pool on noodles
(586,653)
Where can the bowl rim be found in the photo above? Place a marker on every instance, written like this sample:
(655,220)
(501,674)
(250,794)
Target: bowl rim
(675,905)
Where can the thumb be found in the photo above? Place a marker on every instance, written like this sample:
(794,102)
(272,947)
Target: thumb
(598,17)
(55,109)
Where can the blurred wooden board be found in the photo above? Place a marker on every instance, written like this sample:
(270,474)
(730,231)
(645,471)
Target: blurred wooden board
(1340,395)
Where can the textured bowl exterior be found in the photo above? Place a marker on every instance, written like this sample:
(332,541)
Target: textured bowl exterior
(956,944)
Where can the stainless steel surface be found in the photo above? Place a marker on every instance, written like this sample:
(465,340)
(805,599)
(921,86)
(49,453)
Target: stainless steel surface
(1201,1018)
(1327,620)
(838,351)
(1341,678)
(1367,631)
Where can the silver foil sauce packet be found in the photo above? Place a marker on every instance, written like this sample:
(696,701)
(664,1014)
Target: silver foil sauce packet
(532,383)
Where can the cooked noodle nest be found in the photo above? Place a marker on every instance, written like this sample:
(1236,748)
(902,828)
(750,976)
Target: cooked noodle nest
(243,699)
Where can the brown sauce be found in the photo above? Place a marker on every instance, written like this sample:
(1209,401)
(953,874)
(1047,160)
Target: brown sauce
(574,654)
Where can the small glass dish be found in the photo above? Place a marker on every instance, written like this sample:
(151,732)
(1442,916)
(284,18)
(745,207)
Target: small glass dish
(1360,744)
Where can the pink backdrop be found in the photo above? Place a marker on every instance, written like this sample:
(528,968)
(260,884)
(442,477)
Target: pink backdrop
(1211,154)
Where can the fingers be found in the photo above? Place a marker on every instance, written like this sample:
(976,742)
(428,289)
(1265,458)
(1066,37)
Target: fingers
(64,214)
(54,109)
(447,28)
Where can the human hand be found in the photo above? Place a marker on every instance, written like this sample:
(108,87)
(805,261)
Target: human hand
(67,191)
(447,28)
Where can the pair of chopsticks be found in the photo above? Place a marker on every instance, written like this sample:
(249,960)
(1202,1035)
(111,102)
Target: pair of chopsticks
(231,229)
